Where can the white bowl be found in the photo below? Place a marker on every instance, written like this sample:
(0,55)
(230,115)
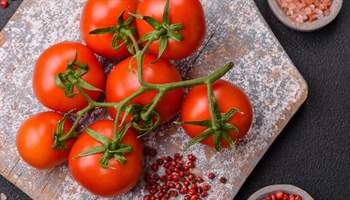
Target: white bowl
(272,189)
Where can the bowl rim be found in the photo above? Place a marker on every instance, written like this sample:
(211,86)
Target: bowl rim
(307,26)
(268,190)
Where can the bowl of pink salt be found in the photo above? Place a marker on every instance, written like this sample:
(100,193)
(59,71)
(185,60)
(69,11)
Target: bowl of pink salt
(306,15)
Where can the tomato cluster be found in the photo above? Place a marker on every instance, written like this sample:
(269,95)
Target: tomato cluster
(141,92)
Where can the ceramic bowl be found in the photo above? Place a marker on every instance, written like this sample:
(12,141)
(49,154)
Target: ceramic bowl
(289,189)
(306,26)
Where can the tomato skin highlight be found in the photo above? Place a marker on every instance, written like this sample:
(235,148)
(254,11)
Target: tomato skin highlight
(35,139)
(121,83)
(187,12)
(53,61)
(100,14)
(115,180)
(196,108)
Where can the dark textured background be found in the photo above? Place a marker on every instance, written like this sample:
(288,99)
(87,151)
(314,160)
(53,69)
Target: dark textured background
(313,152)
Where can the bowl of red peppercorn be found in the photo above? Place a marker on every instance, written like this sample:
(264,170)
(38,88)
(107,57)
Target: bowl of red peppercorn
(306,15)
(281,192)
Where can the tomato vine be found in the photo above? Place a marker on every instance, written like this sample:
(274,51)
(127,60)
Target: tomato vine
(144,118)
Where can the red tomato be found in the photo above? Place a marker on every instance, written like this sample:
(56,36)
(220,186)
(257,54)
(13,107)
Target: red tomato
(35,139)
(187,12)
(121,83)
(54,61)
(100,14)
(117,178)
(196,108)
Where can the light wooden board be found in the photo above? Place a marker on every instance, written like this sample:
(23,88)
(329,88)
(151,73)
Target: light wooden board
(236,32)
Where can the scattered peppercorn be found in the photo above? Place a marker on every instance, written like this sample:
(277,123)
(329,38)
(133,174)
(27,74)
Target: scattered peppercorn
(211,176)
(172,176)
(152,152)
(223,180)
(191,157)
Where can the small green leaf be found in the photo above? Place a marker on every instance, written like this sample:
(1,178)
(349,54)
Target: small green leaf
(115,40)
(199,138)
(120,18)
(133,30)
(227,116)
(91,151)
(123,150)
(127,43)
(127,111)
(120,159)
(150,125)
(166,19)
(229,140)
(176,27)
(216,107)
(129,20)
(175,36)
(58,81)
(81,66)
(103,30)
(105,159)
(206,123)
(138,16)
(68,90)
(60,125)
(217,141)
(124,131)
(131,65)
(80,72)
(231,127)
(154,23)
(70,63)
(162,46)
(87,86)
(130,48)
(101,138)
(147,36)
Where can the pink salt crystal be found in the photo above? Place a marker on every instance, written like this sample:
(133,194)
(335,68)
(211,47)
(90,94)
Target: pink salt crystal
(305,10)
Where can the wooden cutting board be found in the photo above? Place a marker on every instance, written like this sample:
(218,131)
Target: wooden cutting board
(236,32)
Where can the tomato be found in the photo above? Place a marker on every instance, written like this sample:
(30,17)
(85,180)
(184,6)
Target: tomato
(100,14)
(122,82)
(229,96)
(35,139)
(117,178)
(53,62)
(187,12)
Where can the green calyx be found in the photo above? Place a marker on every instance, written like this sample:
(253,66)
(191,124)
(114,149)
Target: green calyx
(163,31)
(58,134)
(110,149)
(217,127)
(143,119)
(121,33)
(72,78)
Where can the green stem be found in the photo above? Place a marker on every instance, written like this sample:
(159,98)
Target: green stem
(133,39)
(139,56)
(203,80)
(145,116)
(214,121)
(119,107)
(70,134)
(105,104)
(85,96)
